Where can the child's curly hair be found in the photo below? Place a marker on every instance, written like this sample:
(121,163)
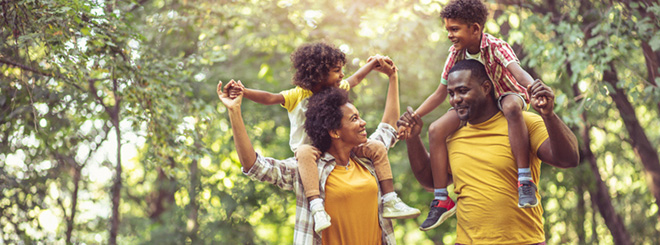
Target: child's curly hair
(470,11)
(313,62)
(324,114)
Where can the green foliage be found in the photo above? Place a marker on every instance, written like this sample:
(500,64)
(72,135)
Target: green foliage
(160,61)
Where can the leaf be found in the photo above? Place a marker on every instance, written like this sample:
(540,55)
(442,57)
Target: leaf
(655,42)
(85,31)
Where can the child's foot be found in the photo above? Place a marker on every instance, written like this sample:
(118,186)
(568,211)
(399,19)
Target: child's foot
(527,194)
(439,212)
(396,209)
(321,219)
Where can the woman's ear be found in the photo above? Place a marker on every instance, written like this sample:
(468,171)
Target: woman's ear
(333,134)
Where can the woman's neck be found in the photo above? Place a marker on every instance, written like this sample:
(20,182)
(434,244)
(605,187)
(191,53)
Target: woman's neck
(341,154)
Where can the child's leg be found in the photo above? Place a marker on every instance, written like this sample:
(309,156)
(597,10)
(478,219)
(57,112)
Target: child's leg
(309,173)
(438,133)
(376,151)
(442,207)
(393,207)
(512,106)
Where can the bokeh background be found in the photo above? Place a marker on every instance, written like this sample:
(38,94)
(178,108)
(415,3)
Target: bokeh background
(111,130)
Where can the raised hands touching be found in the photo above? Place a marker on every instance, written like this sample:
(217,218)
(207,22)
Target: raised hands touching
(231,95)
(384,64)
(543,98)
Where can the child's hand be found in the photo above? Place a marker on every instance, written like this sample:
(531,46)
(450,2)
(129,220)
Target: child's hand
(543,98)
(233,99)
(384,64)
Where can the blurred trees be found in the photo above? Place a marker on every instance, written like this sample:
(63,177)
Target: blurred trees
(111,130)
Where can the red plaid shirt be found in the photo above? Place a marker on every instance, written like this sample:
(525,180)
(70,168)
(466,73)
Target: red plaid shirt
(496,55)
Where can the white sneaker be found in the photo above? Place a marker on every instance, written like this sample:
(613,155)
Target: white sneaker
(321,219)
(396,209)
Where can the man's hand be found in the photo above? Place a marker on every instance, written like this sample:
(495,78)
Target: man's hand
(543,98)
(410,124)
(231,95)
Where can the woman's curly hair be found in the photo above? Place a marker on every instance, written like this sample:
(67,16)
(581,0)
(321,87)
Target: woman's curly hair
(324,114)
(469,11)
(313,62)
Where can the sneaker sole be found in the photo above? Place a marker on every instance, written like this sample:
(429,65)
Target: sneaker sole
(402,215)
(321,228)
(442,218)
(527,205)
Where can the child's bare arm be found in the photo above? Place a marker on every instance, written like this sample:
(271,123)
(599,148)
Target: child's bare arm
(263,97)
(359,75)
(520,75)
(433,101)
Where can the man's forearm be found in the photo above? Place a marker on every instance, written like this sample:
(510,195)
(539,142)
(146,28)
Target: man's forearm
(563,142)
(420,162)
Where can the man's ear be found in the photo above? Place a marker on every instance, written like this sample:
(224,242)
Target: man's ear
(487,86)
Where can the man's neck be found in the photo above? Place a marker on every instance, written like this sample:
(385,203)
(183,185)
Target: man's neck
(488,112)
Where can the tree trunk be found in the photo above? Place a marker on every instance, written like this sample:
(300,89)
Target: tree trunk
(640,143)
(193,212)
(74,203)
(652,65)
(116,185)
(601,196)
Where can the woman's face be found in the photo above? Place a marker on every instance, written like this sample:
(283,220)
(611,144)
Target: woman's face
(353,129)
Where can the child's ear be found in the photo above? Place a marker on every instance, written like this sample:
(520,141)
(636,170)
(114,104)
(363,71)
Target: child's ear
(476,28)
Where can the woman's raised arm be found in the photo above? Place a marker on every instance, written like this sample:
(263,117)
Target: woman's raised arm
(231,96)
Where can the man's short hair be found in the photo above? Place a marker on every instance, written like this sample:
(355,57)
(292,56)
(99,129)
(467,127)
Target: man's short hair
(469,11)
(477,69)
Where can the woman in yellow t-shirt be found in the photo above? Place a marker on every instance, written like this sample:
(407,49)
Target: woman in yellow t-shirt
(347,183)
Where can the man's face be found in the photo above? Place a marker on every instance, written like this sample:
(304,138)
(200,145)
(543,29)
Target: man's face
(462,35)
(466,94)
(334,76)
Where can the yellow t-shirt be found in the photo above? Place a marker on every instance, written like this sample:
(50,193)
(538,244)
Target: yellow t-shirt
(485,179)
(351,200)
(295,102)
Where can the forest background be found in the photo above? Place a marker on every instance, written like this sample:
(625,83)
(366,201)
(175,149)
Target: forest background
(111,130)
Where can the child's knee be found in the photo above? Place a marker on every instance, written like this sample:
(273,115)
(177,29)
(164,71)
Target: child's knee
(439,130)
(512,106)
(375,147)
(307,153)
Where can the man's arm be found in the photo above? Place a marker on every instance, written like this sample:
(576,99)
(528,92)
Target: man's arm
(561,147)
(420,161)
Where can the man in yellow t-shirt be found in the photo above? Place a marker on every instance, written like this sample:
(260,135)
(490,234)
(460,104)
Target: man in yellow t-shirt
(481,162)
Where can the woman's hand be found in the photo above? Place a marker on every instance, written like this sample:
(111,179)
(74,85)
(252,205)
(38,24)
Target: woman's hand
(231,95)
